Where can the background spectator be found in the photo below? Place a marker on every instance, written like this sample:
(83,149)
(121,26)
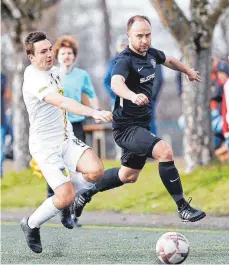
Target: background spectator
(3,118)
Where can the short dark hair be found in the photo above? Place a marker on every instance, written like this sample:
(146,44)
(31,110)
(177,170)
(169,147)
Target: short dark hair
(135,18)
(32,38)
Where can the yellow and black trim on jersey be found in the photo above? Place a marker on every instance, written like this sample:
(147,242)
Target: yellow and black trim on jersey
(61,91)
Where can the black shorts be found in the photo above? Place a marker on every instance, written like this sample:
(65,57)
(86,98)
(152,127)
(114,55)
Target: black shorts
(137,144)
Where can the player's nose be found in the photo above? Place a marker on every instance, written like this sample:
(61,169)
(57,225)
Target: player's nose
(144,40)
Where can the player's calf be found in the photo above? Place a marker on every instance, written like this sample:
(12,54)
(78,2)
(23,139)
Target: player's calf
(64,195)
(110,180)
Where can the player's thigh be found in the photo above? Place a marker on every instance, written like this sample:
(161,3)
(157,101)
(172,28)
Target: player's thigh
(73,153)
(80,157)
(90,162)
(133,161)
(52,167)
(136,139)
(128,175)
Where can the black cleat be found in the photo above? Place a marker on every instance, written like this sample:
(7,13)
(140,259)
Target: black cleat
(189,214)
(75,220)
(66,218)
(32,236)
(79,203)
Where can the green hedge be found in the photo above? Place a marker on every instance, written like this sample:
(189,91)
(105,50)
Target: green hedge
(209,187)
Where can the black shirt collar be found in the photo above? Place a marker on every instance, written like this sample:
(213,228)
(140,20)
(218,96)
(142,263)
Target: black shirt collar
(136,54)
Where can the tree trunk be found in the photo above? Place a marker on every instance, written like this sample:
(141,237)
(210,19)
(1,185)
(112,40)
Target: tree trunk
(194,37)
(20,117)
(107,29)
(20,18)
(195,103)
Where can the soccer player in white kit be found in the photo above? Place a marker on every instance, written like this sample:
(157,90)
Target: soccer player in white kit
(69,166)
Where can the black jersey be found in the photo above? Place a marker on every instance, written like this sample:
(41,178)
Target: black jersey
(139,73)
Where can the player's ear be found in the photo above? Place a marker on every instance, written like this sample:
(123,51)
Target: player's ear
(128,36)
(30,56)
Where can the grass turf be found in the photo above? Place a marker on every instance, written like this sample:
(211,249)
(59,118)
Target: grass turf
(207,185)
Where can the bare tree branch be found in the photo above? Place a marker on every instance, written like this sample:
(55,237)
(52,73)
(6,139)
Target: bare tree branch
(15,12)
(212,19)
(173,18)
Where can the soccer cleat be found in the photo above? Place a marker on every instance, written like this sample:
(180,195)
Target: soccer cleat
(75,220)
(189,214)
(32,236)
(66,219)
(80,202)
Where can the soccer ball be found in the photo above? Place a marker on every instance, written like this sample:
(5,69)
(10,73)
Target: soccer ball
(172,248)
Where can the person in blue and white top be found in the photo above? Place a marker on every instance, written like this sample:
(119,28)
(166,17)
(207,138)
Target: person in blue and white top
(77,82)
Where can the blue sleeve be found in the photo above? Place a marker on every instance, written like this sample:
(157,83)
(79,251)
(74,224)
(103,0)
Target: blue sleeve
(3,84)
(88,87)
(122,67)
(107,78)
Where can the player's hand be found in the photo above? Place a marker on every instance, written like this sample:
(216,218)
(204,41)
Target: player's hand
(140,99)
(193,75)
(102,115)
(62,67)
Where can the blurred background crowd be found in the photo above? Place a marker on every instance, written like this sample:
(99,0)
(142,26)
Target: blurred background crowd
(98,32)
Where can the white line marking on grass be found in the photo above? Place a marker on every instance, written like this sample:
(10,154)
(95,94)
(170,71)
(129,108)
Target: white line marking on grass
(137,228)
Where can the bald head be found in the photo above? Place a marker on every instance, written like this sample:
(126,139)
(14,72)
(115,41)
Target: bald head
(139,34)
(136,18)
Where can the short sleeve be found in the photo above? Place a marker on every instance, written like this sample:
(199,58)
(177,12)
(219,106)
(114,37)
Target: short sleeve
(122,67)
(88,87)
(40,84)
(159,56)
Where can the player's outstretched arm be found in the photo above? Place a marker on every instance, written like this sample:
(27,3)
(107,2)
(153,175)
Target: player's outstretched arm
(70,105)
(119,87)
(175,64)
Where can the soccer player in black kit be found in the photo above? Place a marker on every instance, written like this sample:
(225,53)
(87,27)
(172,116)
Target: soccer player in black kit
(132,82)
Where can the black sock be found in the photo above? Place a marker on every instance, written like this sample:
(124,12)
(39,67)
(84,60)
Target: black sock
(110,180)
(171,180)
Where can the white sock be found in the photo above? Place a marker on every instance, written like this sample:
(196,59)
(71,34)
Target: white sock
(43,213)
(80,183)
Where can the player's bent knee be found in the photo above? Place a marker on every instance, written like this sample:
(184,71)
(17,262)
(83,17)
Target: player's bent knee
(95,175)
(132,180)
(167,154)
(128,175)
(162,151)
(129,179)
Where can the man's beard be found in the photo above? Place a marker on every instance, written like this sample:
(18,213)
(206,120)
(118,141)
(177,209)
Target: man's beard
(141,50)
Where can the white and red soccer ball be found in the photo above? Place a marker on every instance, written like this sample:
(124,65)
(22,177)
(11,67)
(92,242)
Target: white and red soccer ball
(172,248)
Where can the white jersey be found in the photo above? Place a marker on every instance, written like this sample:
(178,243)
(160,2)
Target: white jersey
(49,126)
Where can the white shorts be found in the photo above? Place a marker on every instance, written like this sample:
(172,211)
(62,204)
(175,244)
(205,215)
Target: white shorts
(59,163)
